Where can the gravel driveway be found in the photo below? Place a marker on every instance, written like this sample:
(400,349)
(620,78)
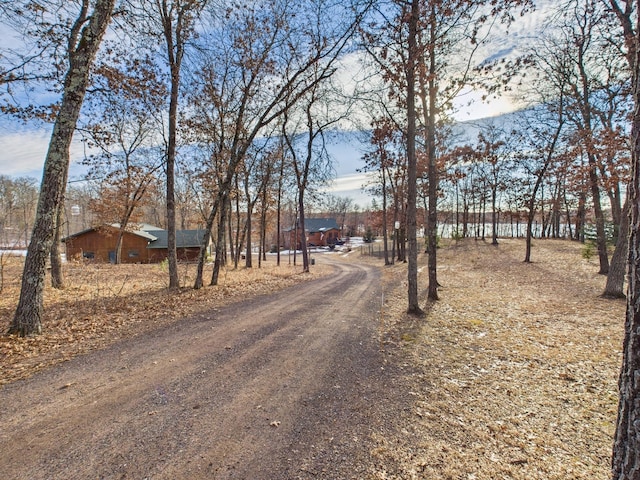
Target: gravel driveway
(287,386)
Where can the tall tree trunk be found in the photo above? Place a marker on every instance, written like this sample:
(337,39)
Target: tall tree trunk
(625,462)
(396,234)
(432,217)
(568,214)
(247,240)
(601,237)
(172,255)
(385,226)
(617,206)
(202,256)
(57,278)
(626,447)
(88,32)
(428,93)
(263,229)
(483,206)
(302,233)
(248,226)
(581,214)
(402,241)
(457,190)
(532,213)
(465,218)
(614,287)
(412,169)
(118,252)
(175,36)
(540,179)
(279,211)
(219,204)
(614,194)
(220,243)
(494,216)
(592,162)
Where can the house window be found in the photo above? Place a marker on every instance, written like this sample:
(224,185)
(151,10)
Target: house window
(133,254)
(89,255)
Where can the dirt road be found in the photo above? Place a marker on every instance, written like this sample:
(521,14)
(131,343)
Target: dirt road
(289,386)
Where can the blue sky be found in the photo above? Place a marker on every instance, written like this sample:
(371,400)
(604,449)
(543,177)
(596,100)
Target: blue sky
(23,148)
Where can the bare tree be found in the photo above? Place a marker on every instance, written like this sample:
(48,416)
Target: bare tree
(122,122)
(582,39)
(174,22)
(85,38)
(415,53)
(491,157)
(247,83)
(305,137)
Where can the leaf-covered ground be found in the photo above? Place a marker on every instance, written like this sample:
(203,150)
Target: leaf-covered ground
(514,369)
(103,302)
(512,373)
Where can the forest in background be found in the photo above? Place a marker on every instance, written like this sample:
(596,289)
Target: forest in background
(239,102)
(560,163)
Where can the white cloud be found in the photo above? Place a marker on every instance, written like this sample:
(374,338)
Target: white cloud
(349,182)
(23,150)
(23,153)
(351,186)
(469,105)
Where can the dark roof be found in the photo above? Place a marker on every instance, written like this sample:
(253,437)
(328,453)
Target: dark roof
(140,233)
(157,237)
(184,238)
(313,225)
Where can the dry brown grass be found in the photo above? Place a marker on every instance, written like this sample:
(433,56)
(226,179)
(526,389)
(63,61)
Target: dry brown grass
(514,370)
(103,302)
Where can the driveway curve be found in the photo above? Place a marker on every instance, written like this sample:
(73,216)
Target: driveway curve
(287,386)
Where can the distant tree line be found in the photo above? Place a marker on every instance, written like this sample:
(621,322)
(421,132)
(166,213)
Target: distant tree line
(224,110)
(188,120)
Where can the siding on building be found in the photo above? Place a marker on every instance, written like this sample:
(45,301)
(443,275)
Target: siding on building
(319,232)
(140,246)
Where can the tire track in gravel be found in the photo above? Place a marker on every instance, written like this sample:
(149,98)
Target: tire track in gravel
(286,386)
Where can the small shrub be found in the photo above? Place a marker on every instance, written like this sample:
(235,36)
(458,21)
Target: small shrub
(368,236)
(456,235)
(588,250)
(164,265)
(426,243)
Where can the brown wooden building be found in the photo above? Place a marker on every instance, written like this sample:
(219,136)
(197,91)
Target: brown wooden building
(320,232)
(145,245)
